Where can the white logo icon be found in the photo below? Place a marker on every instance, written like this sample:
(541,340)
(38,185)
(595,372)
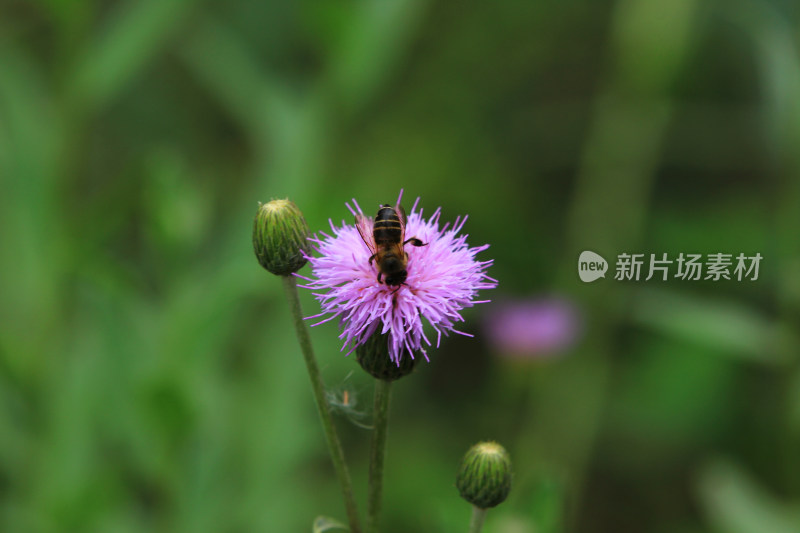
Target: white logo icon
(591,266)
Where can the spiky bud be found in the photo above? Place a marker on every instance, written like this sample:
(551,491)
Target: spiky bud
(484,478)
(373,356)
(280,237)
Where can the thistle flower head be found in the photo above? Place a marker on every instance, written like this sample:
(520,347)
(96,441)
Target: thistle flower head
(443,278)
(533,328)
(484,479)
(280,237)
(373,356)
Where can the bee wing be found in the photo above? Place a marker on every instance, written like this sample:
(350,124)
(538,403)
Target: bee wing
(401,214)
(364,227)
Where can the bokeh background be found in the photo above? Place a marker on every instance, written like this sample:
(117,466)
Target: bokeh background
(149,377)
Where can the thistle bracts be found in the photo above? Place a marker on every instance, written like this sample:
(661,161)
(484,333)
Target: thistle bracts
(373,356)
(280,237)
(484,478)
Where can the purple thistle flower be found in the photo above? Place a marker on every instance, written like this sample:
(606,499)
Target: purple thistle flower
(533,328)
(443,278)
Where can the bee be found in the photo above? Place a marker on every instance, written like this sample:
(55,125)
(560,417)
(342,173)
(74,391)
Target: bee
(385,237)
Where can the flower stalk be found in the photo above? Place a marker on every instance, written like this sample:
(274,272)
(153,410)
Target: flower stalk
(332,439)
(380,423)
(476,522)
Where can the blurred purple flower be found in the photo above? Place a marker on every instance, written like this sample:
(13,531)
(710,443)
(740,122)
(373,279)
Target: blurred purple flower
(533,327)
(443,278)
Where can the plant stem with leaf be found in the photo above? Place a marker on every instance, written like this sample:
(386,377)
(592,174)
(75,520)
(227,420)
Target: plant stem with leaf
(335,447)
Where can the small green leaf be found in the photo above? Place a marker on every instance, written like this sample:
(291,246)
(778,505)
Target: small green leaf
(324,523)
(735,503)
(133,35)
(732,327)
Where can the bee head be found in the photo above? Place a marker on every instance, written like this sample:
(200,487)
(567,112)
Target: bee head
(397,278)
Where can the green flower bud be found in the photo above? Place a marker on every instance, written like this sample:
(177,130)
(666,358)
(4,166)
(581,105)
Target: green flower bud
(484,478)
(280,237)
(373,356)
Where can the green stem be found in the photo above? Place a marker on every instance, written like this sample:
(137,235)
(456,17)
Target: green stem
(478,516)
(335,447)
(380,421)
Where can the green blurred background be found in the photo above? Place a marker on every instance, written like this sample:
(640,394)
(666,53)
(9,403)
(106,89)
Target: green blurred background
(149,378)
